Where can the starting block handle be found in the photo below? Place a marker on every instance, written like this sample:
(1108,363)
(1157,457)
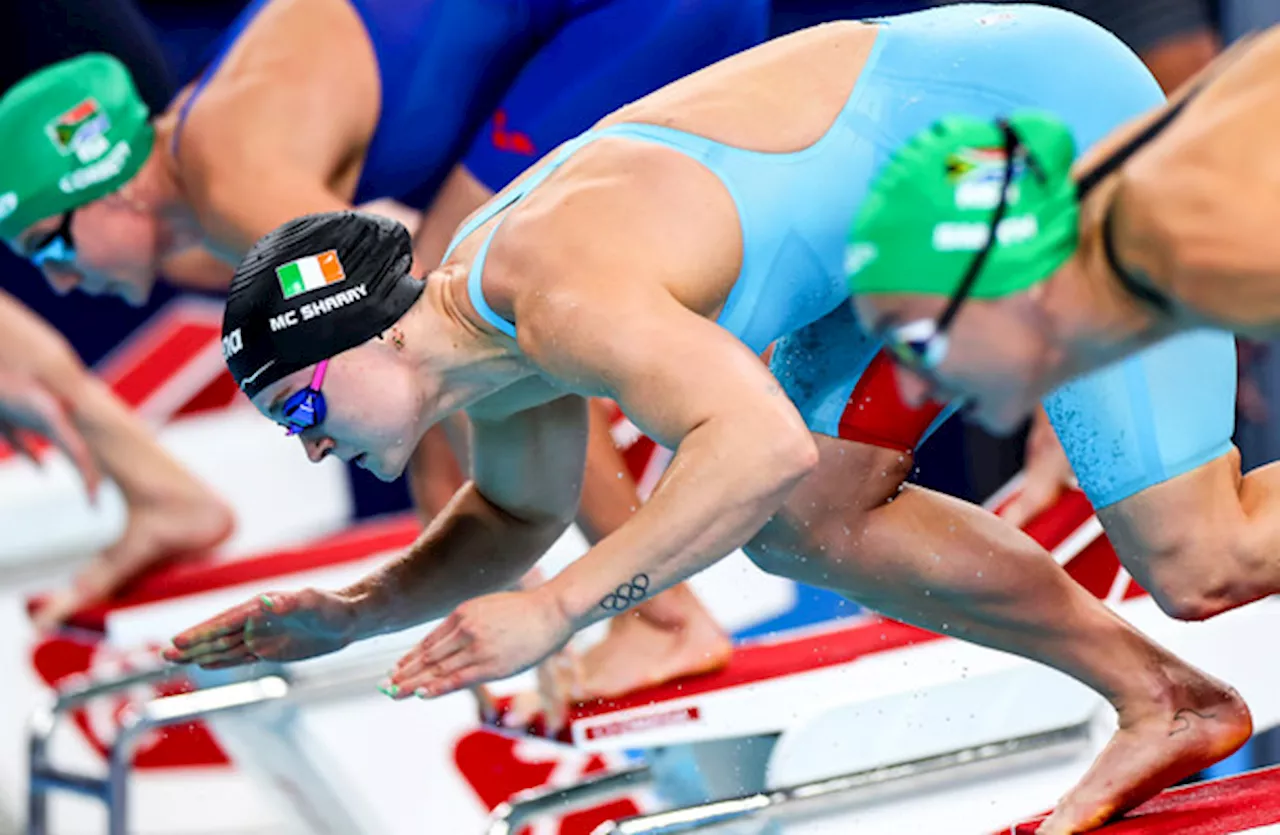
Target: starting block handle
(508,817)
(158,713)
(44,778)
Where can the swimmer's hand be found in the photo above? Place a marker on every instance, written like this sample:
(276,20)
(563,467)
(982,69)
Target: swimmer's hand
(27,406)
(485,639)
(1046,474)
(280,626)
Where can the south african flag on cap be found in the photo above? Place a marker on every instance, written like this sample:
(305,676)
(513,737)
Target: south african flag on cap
(310,273)
(78,126)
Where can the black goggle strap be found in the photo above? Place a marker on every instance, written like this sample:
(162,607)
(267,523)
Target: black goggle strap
(1011,146)
(62,232)
(1112,162)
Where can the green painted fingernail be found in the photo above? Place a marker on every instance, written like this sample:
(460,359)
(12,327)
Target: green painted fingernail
(389,689)
(266,601)
(422,693)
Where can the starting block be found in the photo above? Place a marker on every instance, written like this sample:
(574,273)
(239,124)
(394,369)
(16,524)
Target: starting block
(865,725)
(171,371)
(311,747)
(1248,804)
(877,727)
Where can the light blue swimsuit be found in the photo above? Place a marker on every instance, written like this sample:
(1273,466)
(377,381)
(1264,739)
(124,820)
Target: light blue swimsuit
(1155,416)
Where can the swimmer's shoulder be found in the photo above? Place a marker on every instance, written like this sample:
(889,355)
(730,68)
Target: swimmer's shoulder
(268,101)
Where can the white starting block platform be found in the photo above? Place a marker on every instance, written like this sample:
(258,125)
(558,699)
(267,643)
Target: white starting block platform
(864,726)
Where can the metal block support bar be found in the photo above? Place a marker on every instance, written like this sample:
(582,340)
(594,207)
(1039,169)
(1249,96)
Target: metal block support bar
(174,710)
(42,777)
(861,786)
(85,689)
(336,682)
(53,778)
(113,790)
(508,817)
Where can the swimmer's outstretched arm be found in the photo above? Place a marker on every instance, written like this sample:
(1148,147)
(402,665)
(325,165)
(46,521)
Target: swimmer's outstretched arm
(527,474)
(28,406)
(527,478)
(740,448)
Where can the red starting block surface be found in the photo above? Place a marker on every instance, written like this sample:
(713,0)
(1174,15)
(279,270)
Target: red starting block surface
(753,664)
(1246,803)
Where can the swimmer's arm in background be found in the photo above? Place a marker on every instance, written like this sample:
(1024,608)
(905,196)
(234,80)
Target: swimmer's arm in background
(169,510)
(113,435)
(527,475)
(458,197)
(275,132)
(1190,210)
(197,268)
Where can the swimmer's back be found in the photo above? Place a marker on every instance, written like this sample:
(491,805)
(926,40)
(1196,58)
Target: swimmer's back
(488,85)
(793,132)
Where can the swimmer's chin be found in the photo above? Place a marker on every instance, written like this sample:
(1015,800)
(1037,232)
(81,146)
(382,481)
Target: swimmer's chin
(378,472)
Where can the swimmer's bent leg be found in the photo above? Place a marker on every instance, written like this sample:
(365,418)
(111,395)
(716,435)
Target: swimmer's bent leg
(1150,441)
(951,567)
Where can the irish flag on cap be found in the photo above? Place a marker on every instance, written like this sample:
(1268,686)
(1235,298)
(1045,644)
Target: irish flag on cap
(310,273)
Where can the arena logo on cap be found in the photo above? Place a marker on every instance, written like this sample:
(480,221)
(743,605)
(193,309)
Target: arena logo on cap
(232,344)
(81,131)
(311,273)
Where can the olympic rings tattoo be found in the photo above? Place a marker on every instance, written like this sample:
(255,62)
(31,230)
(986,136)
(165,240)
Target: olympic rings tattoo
(627,594)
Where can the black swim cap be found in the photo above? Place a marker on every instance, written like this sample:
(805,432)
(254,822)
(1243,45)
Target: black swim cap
(313,288)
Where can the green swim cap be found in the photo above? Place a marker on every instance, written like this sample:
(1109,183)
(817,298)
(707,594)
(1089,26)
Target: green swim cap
(930,210)
(70,133)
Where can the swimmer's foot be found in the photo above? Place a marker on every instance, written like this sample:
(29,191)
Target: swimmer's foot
(1199,722)
(665,638)
(642,651)
(168,527)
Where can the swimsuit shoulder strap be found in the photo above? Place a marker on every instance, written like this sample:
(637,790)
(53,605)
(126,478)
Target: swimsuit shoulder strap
(475,287)
(516,193)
